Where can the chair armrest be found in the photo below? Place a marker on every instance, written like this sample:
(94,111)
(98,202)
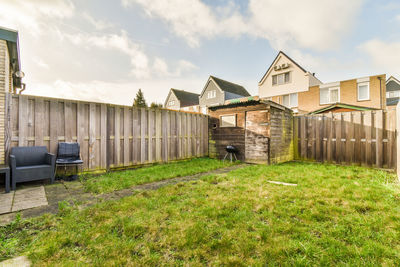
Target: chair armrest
(51,159)
(13,162)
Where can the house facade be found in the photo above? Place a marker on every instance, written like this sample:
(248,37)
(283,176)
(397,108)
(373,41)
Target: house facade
(182,100)
(392,92)
(10,77)
(284,80)
(216,91)
(287,83)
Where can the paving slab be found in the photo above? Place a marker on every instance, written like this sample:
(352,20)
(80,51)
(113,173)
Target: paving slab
(21,261)
(29,198)
(6,200)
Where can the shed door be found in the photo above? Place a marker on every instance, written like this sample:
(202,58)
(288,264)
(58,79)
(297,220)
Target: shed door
(256,136)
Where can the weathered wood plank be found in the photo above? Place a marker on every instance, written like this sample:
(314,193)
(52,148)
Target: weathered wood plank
(92,135)
(53,126)
(103,137)
(39,119)
(143,126)
(127,132)
(151,134)
(379,138)
(22,120)
(117,136)
(158,135)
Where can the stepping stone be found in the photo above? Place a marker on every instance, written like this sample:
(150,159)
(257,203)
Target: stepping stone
(29,198)
(21,261)
(6,200)
(281,183)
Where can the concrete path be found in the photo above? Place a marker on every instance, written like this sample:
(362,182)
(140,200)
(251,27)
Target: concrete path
(32,202)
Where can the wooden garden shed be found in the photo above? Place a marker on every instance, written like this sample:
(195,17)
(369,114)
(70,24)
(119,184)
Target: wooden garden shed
(261,130)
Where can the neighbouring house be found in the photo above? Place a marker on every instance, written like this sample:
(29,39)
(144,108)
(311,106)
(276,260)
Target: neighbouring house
(366,92)
(284,80)
(217,91)
(182,100)
(261,130)
(10,76)
(287,83)
(392,92)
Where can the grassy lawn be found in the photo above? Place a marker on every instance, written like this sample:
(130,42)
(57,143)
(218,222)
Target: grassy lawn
(124,179)
(335,216)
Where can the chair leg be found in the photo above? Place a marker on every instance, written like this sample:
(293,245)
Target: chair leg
(225,156)
(14,184)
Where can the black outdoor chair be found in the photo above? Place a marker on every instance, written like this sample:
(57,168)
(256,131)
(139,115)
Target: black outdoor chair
(31,163)
(69,155)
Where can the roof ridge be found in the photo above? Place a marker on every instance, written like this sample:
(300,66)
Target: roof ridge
(226,81)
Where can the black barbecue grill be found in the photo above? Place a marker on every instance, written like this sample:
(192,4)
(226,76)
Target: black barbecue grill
(231,150)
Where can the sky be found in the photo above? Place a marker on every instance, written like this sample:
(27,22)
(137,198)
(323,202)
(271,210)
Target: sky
(105,50)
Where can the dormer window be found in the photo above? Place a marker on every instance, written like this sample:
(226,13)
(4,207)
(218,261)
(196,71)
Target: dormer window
(282,78)
(212,94)
(171,103)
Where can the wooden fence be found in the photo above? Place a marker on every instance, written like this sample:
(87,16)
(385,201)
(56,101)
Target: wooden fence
(363,138)
(110,135)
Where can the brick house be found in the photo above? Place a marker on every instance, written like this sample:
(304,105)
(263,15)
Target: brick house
(289,84)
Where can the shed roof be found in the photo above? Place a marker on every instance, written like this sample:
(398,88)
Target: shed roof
(11,36)
(340,105)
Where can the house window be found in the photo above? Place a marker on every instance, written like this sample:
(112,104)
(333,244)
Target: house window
(329,95)
(281,78)
(212,94)
(393,94)
(290,101)
(363,91)
(228,121)
(171,103)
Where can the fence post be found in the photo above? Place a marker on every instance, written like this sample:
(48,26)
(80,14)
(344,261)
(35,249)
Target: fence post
(398,140)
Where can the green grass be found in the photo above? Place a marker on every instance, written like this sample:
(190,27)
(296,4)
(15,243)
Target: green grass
(335,216)
(124,179)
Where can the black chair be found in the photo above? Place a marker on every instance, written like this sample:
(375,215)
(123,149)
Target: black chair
(31,163)
(69,155)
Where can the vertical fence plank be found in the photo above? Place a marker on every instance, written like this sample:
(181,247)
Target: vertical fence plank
(117,136)
(103,136)
(92,135)
(143,125)
(348,135)
(22,120)
(151,134)
(39,119)
(158,135)
(127,131)
(368,141)
(379,138)
(53,126)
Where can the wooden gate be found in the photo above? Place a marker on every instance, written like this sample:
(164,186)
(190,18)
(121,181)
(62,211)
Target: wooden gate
(256,136)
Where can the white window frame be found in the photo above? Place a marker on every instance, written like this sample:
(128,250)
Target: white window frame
(171,103)
(392,94)
(211,94)
(329,95)
(227,115)
(290,100)
(358,91)
(281,75)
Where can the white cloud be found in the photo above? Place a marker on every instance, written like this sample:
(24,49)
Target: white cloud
(40,63)
(97,23)
(385,56)
(121,93)
(34,15)
(307,24)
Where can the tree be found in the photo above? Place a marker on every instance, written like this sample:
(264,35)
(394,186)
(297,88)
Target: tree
(155,105)
(139,100)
